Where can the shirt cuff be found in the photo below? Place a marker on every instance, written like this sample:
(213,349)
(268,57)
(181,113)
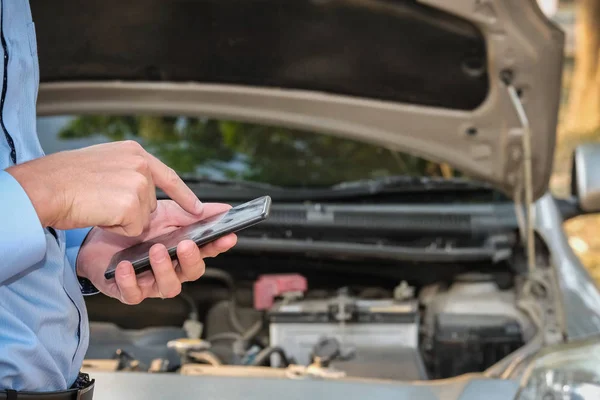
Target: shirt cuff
(74,239)
(22,237)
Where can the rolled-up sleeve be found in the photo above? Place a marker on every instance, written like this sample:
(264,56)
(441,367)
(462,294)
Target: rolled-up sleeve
(22,238)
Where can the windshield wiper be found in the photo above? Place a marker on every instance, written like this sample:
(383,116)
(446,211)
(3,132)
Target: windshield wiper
(410,183)
(232,189)
(363,186)
(230,183)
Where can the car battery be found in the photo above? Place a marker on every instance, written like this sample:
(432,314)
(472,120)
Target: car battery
(379,338)
(465,343)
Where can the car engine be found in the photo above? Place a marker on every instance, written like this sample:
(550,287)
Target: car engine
(439,330)
(470,325)
(365,338)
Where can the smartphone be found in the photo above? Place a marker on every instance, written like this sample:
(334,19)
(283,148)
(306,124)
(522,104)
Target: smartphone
(201,232)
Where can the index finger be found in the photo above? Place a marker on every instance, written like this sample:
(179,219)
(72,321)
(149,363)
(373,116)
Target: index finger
(168,180)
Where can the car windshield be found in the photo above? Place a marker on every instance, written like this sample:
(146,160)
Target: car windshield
(220,149)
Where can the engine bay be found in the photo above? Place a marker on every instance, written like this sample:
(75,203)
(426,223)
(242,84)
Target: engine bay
(342,319)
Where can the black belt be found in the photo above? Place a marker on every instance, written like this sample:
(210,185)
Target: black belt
(82,389)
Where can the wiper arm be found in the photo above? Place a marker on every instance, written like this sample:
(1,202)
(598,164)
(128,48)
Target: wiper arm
(239,189)
(405,182)
(401,182)
(191,181)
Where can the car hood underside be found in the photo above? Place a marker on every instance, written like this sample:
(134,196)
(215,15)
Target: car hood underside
(429,77)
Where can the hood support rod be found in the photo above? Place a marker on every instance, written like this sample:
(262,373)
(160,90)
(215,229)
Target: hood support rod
(528,184)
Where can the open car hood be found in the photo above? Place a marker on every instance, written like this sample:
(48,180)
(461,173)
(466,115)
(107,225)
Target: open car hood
(428,77)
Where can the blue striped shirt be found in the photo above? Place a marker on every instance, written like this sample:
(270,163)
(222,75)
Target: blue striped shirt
(44,327)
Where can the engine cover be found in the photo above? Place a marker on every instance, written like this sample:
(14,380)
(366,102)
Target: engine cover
(382,334)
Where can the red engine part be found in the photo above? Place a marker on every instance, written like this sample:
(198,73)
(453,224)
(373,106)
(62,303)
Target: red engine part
(268,287)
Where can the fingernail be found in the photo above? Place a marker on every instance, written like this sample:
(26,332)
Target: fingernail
(198,206)
(124,271)
(158,255)
(187,252)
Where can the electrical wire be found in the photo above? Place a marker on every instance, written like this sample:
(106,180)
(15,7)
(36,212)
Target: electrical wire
(192,305)
(243,335)
(255,329)
(230,283)
(528,184)
(233,317)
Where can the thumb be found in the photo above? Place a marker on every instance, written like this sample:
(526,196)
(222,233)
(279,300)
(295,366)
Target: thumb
(172,214)
(169,213)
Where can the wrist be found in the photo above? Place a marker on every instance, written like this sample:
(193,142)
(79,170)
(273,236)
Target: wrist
(80,260)
(85,284)
(39,190)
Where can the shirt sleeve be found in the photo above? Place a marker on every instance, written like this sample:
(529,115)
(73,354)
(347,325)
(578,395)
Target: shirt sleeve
(74,239)
(22,238)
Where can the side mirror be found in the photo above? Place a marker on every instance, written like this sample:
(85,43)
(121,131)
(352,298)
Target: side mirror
(585,177)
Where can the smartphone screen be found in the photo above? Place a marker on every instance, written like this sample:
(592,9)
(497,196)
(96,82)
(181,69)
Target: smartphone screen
(201,232)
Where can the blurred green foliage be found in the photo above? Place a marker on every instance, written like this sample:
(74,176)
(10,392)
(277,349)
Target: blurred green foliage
(235,150)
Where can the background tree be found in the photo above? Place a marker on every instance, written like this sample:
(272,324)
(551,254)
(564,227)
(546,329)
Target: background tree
(583,113)
(235,150)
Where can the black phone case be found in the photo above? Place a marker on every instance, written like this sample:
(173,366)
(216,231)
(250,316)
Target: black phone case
(143,265)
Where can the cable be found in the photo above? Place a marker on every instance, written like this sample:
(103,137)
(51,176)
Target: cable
(253,331)
(233,317)
(193,308)
(243,335)
(221,275)
(528,184)
(228,280)
(262,358)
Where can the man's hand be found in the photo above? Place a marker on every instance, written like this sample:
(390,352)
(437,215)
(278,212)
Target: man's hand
(108,185)
(166,277)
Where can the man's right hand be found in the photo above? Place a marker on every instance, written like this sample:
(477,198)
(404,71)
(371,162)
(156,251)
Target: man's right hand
(112,186)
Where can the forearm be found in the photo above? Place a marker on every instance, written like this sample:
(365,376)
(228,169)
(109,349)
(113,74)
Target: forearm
(22,237)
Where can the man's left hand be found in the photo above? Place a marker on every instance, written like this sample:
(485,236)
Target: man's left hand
(166,276)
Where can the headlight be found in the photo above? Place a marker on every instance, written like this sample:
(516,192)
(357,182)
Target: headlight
(566,372)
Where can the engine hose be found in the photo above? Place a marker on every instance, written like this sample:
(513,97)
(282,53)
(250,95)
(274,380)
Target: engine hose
(225,277)
(263,357)
(193,315)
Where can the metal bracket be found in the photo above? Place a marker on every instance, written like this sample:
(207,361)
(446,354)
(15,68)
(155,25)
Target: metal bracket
(526,223)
